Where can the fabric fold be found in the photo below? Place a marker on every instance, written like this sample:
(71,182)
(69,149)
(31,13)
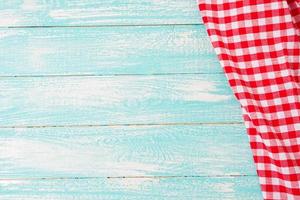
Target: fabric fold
(258,45)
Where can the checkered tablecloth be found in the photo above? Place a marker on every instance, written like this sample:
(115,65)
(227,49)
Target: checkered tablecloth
(258,45)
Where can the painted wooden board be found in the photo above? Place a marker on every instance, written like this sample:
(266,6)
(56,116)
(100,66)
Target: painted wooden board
(220,150)
(106,50)
(97,100)
(77,77)
(93,12)
(203,188)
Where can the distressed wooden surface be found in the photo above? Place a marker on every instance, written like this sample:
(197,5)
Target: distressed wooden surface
(211,150)
(129,90)
(94,12)
(34,101)
(106,50)
(208,188)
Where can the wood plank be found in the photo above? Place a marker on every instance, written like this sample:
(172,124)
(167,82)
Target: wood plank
(93,12)
(245,188)
(31,101)
(125,151)
(107,50)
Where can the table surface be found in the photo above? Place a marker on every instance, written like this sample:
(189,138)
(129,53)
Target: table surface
(116,99)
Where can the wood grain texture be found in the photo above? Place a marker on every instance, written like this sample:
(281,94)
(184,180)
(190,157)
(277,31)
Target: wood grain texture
(79,78)
(237,188)
(125,151)
(50,101)
(106,50)
(93,12)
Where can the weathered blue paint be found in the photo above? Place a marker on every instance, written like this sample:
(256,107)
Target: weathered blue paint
(77,92)
(107,50)
(200,188)
(35,101)
(95,12)
(114,151)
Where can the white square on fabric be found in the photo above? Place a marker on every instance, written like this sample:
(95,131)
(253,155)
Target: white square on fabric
(274,88)
(264,103)
(252,50)
(257,77)
(263,129)
(239,52)
(280,115)
(235,25)
(268,61)
(240,89)
(288,85)
(261,21)
(214,38)
(263,35)
(276,195)
(277,101)
(265,49)
(278,46)
(294,113)
(261,90)
(260,7)
(236,38)
(275,19)
(250,37)
(271,75)
(283,129)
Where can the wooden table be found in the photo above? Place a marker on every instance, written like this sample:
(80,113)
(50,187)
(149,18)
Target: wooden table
(116,99)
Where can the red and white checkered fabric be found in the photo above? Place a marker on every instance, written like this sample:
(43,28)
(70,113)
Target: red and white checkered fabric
(258,45)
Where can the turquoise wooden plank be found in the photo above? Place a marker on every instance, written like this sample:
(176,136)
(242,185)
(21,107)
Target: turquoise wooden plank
(228,188)
(34,101)
(93,12)
(125,151)
(107,50)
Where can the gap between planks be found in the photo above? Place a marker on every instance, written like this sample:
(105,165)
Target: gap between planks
(103,75)
(125,125)
(99,26)
(128,177)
